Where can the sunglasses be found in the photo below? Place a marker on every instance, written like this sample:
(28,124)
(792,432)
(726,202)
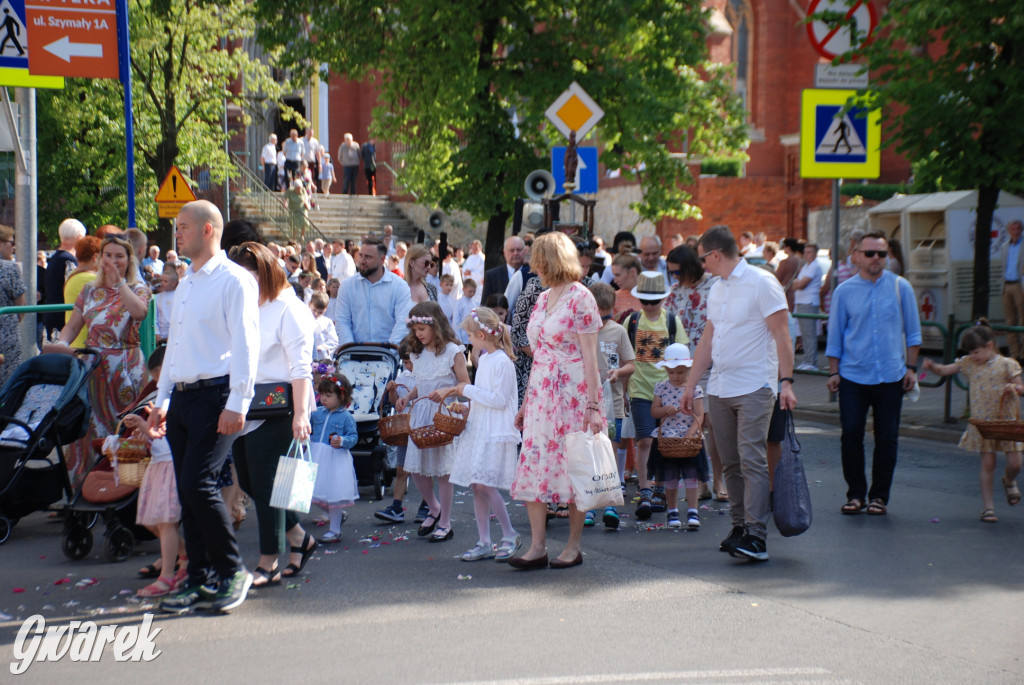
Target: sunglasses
(871,253)
(649,303)
(708,254)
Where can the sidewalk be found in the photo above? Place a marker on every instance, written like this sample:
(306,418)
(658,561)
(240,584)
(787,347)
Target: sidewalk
(921,419)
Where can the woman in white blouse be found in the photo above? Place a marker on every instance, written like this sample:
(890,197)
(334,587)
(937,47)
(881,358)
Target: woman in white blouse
(286,357)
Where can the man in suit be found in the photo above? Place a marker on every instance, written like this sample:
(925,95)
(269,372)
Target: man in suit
(496,279)
(1013,294)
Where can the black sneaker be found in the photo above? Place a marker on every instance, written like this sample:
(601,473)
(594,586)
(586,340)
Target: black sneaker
(734,539)
(391,514)
(643,509)
(422,513)
(658,503)
(189,598)
(750,547)
(232,592)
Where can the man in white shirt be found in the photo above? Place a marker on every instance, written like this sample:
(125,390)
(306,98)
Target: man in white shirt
(342,265)
(806,297)
(473,267)
(269,159)
(203,396)
(313,155)
(746,345)
(294,149)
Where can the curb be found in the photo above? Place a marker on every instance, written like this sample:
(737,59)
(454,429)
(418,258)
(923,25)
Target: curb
(907,430)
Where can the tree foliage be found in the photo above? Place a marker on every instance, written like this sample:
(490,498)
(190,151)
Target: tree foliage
(463,87)
(181,79)
(949,75)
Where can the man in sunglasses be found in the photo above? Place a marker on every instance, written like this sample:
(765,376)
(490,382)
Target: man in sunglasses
(874,334)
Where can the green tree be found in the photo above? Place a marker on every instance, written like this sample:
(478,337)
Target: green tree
(949,75)
(463,87)
(181,80)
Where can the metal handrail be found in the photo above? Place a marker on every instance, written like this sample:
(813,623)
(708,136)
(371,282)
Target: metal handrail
(270,205)
(399,181)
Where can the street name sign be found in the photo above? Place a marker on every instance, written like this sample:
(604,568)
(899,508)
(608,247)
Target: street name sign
(837,144)
(73,38)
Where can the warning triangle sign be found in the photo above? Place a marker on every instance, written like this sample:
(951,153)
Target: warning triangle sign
(175,188)
(841,139)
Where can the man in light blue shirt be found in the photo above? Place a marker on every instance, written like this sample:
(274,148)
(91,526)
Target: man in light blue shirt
(874,334)
(374,304)
(1013,293)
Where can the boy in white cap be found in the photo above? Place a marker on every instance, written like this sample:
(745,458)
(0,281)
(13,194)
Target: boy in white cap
(651,331)
(667,406)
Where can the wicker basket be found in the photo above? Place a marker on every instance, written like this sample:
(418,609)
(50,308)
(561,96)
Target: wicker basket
(681,448)
(1001,429)
(131,459)
(394,429)
(446,420)
(429,436)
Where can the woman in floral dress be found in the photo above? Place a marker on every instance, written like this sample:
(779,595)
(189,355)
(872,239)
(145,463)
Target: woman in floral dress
(111,307)
(12,292)
(564,395)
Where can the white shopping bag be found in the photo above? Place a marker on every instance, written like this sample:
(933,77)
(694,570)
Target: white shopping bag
(593,471)
(295,478)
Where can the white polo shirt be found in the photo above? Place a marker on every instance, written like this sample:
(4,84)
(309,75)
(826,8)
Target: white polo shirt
(743,351)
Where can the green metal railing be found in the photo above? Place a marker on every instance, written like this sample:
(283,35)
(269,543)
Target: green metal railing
(273,208)
(147,329)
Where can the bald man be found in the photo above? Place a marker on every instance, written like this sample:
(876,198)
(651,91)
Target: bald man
(203,395)
(496,279)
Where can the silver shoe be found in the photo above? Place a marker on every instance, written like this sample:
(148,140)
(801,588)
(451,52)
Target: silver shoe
(477,552)
(507,548)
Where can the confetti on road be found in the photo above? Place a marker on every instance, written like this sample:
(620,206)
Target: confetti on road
(61,581)
(18,590)
(934,521)
(86,582)
(465,577)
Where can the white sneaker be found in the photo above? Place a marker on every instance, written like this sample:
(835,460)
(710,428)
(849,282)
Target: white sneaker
(807,367)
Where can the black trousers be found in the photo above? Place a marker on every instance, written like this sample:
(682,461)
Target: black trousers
(257,465)
(199,453)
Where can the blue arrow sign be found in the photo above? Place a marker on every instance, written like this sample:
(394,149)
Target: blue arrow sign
(586,169)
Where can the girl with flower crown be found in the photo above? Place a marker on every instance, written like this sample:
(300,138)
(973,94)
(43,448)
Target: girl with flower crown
(487,452)
(333,433)
(437,362)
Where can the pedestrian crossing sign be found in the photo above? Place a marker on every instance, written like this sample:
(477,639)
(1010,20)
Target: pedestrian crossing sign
(838,144)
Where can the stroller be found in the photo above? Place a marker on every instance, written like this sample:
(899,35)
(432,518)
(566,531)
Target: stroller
(43,406)
(103,496)
(369,366)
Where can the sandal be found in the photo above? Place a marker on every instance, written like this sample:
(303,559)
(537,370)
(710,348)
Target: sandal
(877,507)
(330,538)
(150,570)
(588,519)
(989,516)
(721,496)
(261,577)
(425,530)
(854,506)
(291,570)
(161,587)
(562,511)
(550,513)
(1012,492)
(441,534)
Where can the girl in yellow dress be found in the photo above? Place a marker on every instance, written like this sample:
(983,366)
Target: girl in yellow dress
(995,385)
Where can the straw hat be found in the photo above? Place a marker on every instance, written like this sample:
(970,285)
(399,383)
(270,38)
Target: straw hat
(651,286)
(676,354)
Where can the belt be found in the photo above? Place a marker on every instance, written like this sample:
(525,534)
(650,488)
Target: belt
(1011,282)
(202,383)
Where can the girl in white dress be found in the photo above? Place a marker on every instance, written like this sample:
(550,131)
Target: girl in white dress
(333,431)
(487,451)
(437,362)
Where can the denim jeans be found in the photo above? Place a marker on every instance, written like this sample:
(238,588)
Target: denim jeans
(885,400)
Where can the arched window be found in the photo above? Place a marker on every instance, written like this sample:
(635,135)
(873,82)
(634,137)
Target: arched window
(740,17)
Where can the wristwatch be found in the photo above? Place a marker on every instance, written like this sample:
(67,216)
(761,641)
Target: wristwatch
(912,367)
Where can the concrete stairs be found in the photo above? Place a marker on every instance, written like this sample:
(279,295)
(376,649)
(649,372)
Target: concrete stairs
(347,216)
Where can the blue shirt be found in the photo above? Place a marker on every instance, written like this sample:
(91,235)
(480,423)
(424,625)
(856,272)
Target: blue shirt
(864,331)
(1012,254)
(373,312)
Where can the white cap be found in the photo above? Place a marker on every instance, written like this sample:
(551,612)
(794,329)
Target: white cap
(676,354)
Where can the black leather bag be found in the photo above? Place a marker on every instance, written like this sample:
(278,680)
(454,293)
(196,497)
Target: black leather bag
(271,401)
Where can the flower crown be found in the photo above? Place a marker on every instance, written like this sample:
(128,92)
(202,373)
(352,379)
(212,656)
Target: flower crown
(336,381)
(485,329)
(429,320)
(323,367)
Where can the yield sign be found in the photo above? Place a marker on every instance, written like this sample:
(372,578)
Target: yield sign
(832,39)
(72,41)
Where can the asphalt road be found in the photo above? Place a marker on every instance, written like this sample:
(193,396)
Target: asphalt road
(927,594)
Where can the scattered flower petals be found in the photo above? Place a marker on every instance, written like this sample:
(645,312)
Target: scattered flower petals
(61,581)
(465,577)
(18,590)
(934,521)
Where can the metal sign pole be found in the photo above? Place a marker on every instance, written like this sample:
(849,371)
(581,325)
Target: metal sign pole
(125,67)
(26,218)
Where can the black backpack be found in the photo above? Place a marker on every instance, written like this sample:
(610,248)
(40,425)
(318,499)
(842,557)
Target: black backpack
(634,319)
